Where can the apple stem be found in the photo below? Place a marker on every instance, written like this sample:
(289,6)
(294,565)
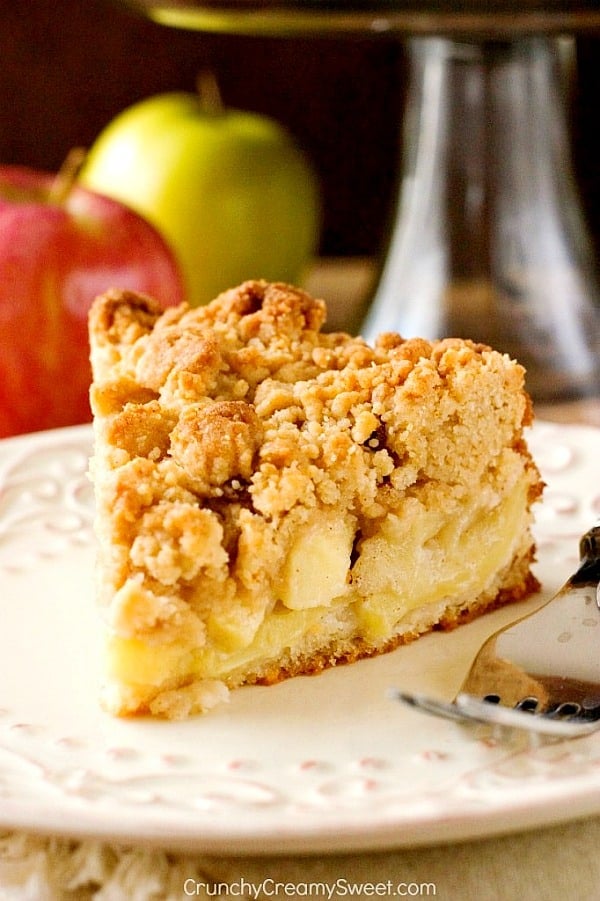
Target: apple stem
(209,92)
(65,178)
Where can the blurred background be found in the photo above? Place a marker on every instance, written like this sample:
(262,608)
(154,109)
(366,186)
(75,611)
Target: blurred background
(67,67)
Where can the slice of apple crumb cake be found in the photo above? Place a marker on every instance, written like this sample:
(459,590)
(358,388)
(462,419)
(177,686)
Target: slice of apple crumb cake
(273,499)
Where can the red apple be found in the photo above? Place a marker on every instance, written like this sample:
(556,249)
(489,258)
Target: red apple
(56,255)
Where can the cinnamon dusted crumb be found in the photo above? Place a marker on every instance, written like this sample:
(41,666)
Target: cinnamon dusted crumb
(217,444)
(123,316)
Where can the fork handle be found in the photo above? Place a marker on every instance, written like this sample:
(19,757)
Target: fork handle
(589,554)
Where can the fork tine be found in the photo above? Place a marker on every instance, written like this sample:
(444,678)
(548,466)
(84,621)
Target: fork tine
(422,702)
(549,723)
(468,709)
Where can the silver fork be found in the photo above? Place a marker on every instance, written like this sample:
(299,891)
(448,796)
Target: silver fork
(541,673)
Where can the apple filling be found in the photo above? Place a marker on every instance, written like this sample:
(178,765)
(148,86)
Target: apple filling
(414,559)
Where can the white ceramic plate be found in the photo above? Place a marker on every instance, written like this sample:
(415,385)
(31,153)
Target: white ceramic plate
(314,764)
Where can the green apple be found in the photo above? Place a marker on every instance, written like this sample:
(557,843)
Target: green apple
(230,191)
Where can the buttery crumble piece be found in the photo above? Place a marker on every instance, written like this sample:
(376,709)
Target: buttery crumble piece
(273,499)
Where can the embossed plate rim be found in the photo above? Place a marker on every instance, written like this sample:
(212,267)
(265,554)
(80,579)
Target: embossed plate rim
(314,764)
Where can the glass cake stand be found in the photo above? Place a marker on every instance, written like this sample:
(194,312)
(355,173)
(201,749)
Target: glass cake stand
(489,239)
